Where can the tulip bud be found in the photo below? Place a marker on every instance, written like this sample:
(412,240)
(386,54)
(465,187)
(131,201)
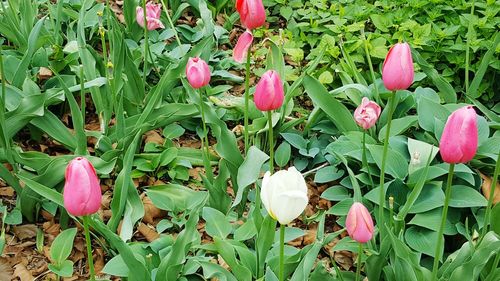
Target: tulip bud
(82,192)
(153,13)
(367,113)
(397,70)
(359,223)
(269,94)
(241,49)
(284,194)
(458,142)
(197,72)
(252,13)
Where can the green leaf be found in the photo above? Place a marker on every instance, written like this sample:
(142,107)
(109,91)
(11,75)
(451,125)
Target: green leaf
(463,196)
(485,62)
(432,220)
(428,111)
(65,269)
(431,197)
(327,174)
(61,246)
(227,252)
(398,126)
(335,193)
(335,110)
(282,154)
(174,197)
(249,171)
(216,223)
(495,219)
(396,164)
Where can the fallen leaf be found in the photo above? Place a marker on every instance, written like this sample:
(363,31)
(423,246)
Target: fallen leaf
(5,270)
(99,260)
(25,231)
(155,137)
(6,191)
(22,273)
(148,233)
(150,211)
(486,188)
(44,73)
(344,259)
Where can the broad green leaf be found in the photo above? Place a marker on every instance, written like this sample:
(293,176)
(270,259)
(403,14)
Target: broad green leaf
(396,164)
(217,224)
(61,246)
(463,196)
(174,197)
(64,269)
(282,154)
(421,240)
(431,197)
(249,171)
(398,126)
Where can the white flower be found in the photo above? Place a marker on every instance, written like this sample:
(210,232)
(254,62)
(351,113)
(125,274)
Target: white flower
(284,194)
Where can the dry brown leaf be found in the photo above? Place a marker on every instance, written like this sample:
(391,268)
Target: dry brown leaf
(99,260)
(44,73)
(155,137)
(150,211)
(148,233)
(25,231)
(486,188)
(6,191)
(23,273)
(344,259)
(5,270)
(310,236)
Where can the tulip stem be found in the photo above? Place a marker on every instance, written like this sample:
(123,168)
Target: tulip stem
(205,143)
(89,247)
(381,200)
(271,141)
(440,241)
(370,65)
(146,43)
(491,196)
(358,263)
(165,7)
(364,160)
(247,97)
(282,252)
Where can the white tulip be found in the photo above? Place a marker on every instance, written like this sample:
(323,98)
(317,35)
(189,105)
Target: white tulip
(284,194)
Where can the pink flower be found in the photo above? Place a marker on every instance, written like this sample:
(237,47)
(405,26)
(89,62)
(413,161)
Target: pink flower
(367,113)
(197,72)
(252,13)
(359,223)
(153,12)
(458,142)
(269,94)
(397,71)
(82,192)
(241,49)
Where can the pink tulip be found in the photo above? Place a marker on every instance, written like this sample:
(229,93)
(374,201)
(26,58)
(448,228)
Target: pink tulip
(252,13)
(153,12)
(367,113)
(359,223)
(269,94)
(197,72)
(458,142)
(397,71)
(241,49)
(82,192)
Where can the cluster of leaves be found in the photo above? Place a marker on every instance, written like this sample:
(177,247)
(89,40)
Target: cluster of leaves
(71,40)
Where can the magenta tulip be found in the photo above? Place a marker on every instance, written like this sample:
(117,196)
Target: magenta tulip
(458,142)
(197,72)
(359,223)
(241,49)
(269,94)
(397,70)
(367,113)
(252,13)
(153,12)
(82,192)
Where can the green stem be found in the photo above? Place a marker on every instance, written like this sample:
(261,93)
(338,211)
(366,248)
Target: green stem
(364,159)
(358,263)
(82,96)
(440,241)
(8,151)
(381,199)
(205,143)
(490,198)
(146,44)
(165,8)
(247,97)
(370,65)
(282,252)
(89,247)
(271,141)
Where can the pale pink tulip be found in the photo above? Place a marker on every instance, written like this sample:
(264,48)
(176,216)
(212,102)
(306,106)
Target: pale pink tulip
(269,93)
(153,13)
(252,13)
(197,72)
(458,142)
(359,223)
(367,113)
(397,70)
(82,192)
(241,49)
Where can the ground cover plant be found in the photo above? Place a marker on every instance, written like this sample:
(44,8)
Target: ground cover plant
(249,140)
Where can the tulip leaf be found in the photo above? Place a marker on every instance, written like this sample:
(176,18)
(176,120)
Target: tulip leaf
(216,223)
(226,250)
(282,155)
(463,196)
(396,164)
(249,171)
(398,126)
(61,246)
(174,197)
(421,240)
(334,109)
(64,269)
(431,197)
(428,110)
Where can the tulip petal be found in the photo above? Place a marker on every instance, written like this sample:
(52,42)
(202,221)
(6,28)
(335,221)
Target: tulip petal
(288,206)
(240,51)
